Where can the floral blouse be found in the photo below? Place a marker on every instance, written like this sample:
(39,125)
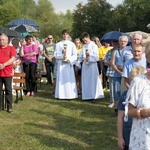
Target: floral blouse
(139,96)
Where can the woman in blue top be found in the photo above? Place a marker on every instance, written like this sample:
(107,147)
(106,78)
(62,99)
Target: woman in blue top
(117,65)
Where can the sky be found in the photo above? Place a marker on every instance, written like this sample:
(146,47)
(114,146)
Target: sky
(63,5)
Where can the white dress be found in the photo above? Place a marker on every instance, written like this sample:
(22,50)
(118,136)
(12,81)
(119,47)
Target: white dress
(65,79)
(91,83)
(139,96)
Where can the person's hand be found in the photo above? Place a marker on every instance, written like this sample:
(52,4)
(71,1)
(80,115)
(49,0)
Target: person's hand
(15,65)
(2,66)
(64,51)
(120,68)
(76,68)
(145,113)
(87,53)
(121,143)
(49,59)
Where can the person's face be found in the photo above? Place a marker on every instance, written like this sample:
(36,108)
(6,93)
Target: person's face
(136,39)
(123,42)
(86,40)
(29,40)
(106,44)
(49,39)
(65,36)
(15,43)
(34,38)
(77,43)
(3,40)
(137,53)
(115,44)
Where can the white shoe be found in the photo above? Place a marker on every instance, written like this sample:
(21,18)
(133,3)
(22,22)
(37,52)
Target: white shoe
(111,105)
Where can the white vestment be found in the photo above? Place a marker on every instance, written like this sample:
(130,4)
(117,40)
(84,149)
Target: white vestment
(65,80)
(91,83)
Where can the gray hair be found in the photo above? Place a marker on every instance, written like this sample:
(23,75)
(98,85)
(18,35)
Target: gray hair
(136,33)
(123,36)
(2,34)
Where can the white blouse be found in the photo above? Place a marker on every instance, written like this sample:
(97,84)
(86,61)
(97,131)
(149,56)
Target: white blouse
(139,96)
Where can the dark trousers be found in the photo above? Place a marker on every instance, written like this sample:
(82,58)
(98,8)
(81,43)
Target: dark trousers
(30,71)
(105,78)
(49,69)
(126,148)
(7,81)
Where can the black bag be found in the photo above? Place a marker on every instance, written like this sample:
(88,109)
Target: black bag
(27,62)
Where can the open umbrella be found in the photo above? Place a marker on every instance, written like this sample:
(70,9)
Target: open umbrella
(10,33)
(23,21)
(113,35)
(24,28)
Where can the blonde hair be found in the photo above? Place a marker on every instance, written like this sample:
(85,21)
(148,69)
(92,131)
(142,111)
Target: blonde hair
(77,39)
(137,70)
(138,45)
(97,41)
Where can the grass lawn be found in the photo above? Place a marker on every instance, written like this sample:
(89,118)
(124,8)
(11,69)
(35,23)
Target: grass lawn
(44,123)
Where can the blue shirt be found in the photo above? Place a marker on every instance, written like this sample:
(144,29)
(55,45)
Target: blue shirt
(130,64)
(127,125)
(118,61)
(127,54)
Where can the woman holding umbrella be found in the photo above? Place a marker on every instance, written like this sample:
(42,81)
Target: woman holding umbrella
(28,53)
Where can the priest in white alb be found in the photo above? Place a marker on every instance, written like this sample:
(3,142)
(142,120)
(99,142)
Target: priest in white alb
(91,83)
(66,56)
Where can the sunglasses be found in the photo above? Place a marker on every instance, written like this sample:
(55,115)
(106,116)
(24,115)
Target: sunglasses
(49,38)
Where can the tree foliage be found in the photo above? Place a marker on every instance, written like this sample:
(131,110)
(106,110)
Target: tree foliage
(94,18)
(132,15)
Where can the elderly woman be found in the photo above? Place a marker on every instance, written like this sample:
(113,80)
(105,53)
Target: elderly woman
(29,54)
(138,107)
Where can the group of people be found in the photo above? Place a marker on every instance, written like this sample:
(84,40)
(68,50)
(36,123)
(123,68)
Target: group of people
(81,68)
(81,63)
(129,87)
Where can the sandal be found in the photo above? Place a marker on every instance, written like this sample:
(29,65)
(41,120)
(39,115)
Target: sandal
(32,93)
(28,94)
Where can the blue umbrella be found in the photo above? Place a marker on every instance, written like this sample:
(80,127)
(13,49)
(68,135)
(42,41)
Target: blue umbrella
(17,22)
(113,35)
(24,28)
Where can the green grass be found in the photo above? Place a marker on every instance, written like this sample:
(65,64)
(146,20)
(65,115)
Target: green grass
(44,123)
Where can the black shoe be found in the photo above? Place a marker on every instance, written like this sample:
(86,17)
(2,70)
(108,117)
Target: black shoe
(115,115)
(93,100)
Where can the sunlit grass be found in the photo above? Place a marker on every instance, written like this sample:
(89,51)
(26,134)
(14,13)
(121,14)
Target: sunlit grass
(44,123)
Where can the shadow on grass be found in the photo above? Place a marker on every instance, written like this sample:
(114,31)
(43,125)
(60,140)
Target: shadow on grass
(77,133)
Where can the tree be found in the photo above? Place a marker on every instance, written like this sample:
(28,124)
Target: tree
(65,21)
(6,14)
(132,15)
(94,18)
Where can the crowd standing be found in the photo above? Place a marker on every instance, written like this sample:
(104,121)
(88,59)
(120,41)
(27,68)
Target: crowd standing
(86,68)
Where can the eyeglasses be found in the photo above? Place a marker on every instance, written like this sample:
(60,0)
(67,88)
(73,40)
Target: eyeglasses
(49,38)
(123,41)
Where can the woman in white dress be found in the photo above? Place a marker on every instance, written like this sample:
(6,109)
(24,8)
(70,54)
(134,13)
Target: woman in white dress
(138,107)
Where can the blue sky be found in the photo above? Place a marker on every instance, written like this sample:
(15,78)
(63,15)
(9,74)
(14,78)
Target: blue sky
(63,5)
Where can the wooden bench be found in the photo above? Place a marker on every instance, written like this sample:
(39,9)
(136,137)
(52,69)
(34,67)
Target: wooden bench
(18,83)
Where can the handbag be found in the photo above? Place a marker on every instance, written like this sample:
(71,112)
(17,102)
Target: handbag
(27,62)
